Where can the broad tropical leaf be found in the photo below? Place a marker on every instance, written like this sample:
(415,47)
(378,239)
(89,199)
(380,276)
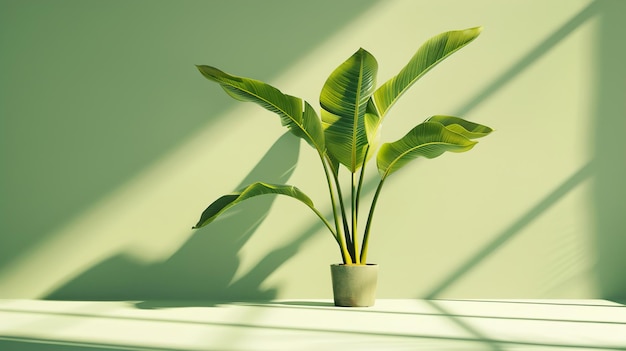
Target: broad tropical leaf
(428,139)
(466,128)
(433,51)
(304,124)
(255,189)
(344,100)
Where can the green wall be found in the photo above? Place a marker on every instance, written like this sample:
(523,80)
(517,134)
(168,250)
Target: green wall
(112,144)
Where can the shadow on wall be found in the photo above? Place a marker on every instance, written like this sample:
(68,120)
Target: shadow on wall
(608,167)
(204,267)
(610,150)
(551,198)
(121,96)
(512,230)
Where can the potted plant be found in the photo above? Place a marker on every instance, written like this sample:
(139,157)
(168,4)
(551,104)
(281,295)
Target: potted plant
(347,134)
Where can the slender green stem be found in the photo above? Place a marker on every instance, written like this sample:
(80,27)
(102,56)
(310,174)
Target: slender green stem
(328,225)
(343,212)
(361,177)
(366,235)
(338,234)
(355,241)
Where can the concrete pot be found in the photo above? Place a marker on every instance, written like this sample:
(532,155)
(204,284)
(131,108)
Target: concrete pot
(354,285)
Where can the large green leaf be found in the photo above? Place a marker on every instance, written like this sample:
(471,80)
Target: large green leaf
(255,189)
(458,125)
(303,123)
(428,139)
(344,100)
(433,51)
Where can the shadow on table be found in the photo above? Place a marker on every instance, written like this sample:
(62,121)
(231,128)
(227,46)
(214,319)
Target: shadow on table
(541,302)
(304,303)
(34,344)
(460,331)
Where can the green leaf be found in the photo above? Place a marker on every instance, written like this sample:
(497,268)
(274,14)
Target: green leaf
(302,123)
(255,189)
(458,125)
(344,100)
(433,51)
(428,139)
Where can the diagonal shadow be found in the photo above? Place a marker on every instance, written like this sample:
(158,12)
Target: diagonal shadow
(572,182)
(619,304)
(489,344)
(329,306)
(38,344)
(582,174)
(532,56)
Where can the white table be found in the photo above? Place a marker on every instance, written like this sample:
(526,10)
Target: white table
(313,325)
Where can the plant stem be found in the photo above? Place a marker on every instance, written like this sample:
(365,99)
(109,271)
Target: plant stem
(338,235)
(361,176)
(355,241)
(366,236)
(328,225)
(343,212)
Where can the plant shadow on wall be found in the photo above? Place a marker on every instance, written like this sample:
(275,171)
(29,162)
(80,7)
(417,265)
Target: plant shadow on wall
(204,267)
(58,154)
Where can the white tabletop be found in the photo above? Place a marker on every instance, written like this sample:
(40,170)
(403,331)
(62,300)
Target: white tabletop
(402,324)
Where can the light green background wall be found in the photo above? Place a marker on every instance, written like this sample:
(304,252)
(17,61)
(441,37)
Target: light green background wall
(112,144)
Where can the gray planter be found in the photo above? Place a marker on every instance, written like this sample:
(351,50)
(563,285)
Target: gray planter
(354,285)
